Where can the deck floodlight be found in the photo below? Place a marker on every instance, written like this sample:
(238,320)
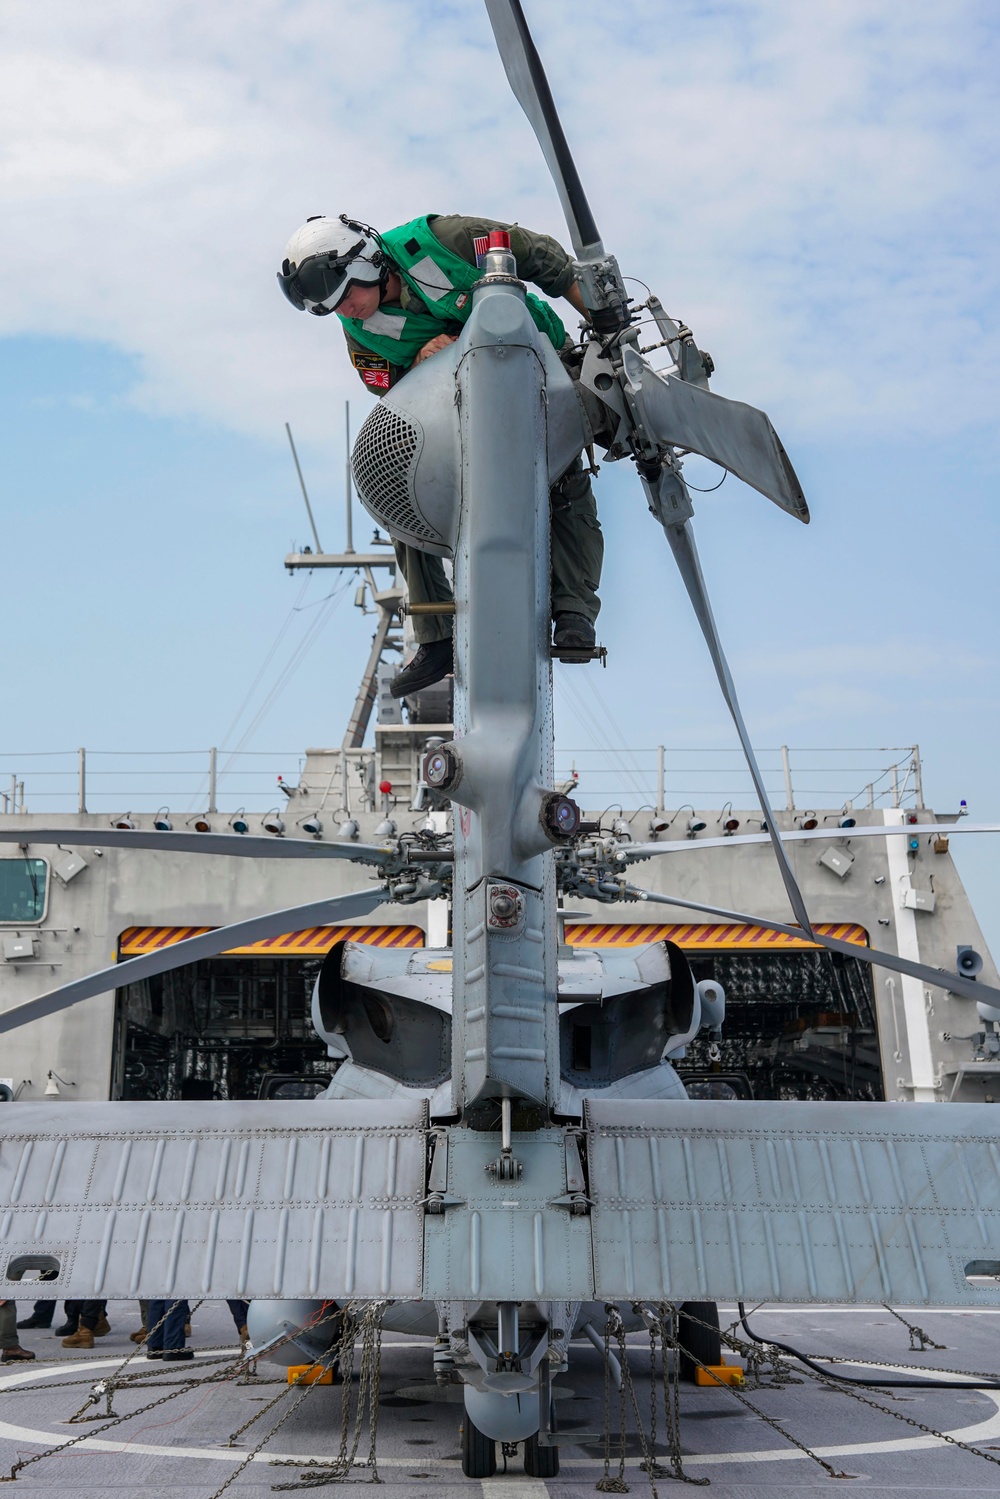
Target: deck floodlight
(161,821)
(347,832)
(200,823)
(311,825)
(272,822)
(386,828)
(808,822)
(238,822)
(848,822)
(731,823)
(125,823)
(622,830)
(694,822)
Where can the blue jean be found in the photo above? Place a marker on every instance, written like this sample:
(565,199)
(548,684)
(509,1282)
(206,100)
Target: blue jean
(239,1311)
(169,1333)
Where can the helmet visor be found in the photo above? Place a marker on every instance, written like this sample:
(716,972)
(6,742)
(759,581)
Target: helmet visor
(321,278)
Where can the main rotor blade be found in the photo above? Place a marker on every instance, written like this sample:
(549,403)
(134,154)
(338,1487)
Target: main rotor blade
(730,433)
(940,977)
(526,77)
(800,835)
(681,539)
(234,845)
(208,945)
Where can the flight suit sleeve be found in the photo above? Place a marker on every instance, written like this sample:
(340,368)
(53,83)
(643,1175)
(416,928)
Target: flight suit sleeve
(540,258)
(375,372)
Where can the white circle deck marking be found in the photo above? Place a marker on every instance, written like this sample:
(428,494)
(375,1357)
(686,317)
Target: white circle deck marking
(984,1430)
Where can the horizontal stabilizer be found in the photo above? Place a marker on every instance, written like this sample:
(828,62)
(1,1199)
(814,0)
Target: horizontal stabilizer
(822,1202)
(268,1199)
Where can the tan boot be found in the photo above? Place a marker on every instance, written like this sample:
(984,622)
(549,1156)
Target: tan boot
(244,1339)
(137,1337)
(83,1338)
(187,1329)
(103,1328)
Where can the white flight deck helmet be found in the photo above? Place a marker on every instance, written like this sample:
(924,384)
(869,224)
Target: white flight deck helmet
(325,258)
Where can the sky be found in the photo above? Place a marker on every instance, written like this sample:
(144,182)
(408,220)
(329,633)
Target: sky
(812,187)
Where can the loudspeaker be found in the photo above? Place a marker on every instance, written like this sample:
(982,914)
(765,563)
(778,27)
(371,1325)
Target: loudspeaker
(969,962)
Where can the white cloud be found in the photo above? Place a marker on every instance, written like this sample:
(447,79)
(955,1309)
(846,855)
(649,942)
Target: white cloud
(807,184)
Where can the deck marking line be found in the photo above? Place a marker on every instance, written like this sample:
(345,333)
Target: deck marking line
(984,1431)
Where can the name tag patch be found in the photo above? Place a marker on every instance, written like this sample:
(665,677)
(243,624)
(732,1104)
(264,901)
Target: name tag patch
(373,369)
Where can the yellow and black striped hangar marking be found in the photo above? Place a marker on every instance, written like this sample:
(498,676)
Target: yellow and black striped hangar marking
(692,937)
(315,939)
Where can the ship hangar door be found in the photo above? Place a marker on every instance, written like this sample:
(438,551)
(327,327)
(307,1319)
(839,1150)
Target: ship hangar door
(236,1026)
(800,1021)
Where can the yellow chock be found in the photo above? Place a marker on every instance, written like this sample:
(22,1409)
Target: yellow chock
(716,1374)
(309,1374)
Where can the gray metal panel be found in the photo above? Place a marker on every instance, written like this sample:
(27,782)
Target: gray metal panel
(503,1242)
(216,1199)
(794,1201)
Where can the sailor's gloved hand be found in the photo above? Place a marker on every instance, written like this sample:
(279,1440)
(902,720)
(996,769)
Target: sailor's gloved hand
(434,346)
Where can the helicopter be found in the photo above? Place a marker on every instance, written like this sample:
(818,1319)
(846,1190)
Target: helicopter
(460,1168)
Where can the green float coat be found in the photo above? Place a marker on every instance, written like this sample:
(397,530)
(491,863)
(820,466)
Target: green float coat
(442,283)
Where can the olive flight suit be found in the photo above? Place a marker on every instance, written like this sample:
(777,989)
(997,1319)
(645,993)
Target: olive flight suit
(577,543)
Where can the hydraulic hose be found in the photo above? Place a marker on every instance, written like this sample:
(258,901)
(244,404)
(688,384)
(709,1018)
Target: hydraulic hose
(877,1384)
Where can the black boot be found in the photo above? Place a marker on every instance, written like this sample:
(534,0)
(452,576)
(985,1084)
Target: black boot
(37,1319)
(574,633)
(429,665)
(67,1330)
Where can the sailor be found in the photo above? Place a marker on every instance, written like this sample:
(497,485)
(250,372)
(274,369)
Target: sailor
(401,297)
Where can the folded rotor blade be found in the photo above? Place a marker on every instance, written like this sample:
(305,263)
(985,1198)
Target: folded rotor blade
(235,845)
(681,539)
(208,945)
(800,835)
(526,77)
(738,437)
(940,977)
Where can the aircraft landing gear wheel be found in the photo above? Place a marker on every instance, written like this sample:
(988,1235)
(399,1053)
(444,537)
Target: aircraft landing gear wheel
(479,1452)
(698,1342)
(540,1462)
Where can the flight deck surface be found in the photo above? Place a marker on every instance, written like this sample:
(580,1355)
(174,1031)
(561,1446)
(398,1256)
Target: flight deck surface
(179,1448)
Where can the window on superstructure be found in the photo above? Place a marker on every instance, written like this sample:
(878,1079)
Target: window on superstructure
(22,889)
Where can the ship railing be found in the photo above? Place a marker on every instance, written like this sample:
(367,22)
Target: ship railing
(662,778)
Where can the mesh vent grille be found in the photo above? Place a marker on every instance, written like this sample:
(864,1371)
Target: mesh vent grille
(385,455)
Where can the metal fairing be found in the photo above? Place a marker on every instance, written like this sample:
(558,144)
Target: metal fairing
(271,1199)
(406,456)
(794,1201)
(505,1036)
(504,1241)
(386,1026)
